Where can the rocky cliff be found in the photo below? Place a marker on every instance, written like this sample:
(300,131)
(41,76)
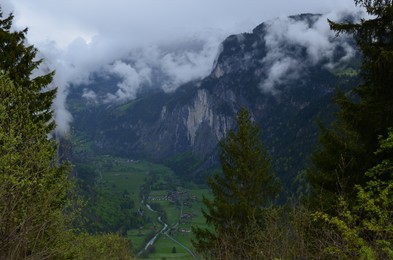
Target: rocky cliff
(281,80)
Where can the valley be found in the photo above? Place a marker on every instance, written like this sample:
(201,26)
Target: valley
(162,207)
(143,163)
(132,132)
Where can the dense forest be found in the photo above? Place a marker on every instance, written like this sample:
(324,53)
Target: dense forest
(344,210)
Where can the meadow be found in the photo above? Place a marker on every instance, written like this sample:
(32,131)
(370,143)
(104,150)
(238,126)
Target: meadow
(177,202)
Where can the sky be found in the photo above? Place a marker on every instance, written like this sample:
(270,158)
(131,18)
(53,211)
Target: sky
(149,42)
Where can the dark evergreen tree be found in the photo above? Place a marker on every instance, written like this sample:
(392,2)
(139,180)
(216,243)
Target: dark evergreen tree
(347,150)
(18,61)
(242,191)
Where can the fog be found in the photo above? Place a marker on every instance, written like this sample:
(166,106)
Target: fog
(162,43)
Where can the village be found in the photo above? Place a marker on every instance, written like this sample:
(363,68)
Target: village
(181,199)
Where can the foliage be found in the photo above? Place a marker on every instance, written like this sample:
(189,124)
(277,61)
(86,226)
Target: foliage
(37,203)
(33,187)
(365,227)
(103,246)
(108,211)
(347,150)
(19,62)
(353,183)
(246,186)
(289,232)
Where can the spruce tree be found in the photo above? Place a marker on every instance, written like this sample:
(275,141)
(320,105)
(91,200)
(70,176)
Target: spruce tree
(242,191)
(347,149)
(19,61)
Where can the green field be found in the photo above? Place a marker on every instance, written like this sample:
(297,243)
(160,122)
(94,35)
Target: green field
(154,184)
(164,248)
(126,175)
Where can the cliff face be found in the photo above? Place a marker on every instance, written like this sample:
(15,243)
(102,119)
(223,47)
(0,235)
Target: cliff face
(189,122)
(162,126)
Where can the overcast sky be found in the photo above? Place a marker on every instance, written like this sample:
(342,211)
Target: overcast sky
(143,20)
(131,39)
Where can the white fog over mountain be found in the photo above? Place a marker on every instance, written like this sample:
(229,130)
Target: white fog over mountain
(162,43)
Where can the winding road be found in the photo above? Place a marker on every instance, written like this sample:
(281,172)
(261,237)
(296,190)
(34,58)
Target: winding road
(165,231)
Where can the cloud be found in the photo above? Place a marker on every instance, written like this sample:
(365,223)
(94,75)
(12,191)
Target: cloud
(6,7)
(131,80)
(145,43)
(62,116)
(90,96)
(153,20)
(191,64)
(287,38)
(281,70)
(158,66)
(163,66)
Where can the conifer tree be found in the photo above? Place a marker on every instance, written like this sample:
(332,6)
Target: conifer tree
(35,192)
(33,187)
(347,150)
(364,228)
(18,61)
(243,190)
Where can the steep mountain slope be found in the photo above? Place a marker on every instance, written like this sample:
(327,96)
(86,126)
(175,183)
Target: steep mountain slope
(279,80)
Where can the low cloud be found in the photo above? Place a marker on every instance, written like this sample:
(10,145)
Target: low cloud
(288,37)
(90,96)
(144,43)
(132,80)
(282,70)
(181,67)
(165,66)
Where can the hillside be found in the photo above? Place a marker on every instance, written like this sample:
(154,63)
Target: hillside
(283,82)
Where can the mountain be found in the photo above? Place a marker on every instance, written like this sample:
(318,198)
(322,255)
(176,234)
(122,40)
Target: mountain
(279,80)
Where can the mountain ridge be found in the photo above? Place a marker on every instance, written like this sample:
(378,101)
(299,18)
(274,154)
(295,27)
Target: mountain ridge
(183,128)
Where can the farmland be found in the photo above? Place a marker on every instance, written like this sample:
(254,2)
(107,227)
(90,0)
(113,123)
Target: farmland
(156,193)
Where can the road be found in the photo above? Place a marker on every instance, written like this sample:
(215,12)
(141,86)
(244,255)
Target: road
(165,231)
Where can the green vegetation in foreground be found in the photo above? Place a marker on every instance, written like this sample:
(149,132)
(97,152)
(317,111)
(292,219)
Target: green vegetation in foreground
(38,203)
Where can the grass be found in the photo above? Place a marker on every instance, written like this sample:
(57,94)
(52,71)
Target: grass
(172,212)
(164,247)
(137,239)
(131,176)
(348,72)
(119,175)
(126,175)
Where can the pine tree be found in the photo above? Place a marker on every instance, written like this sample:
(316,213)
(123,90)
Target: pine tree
(243,190)
(19,61)
(347,150)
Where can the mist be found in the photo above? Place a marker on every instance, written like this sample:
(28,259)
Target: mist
(154,43)
(319,42)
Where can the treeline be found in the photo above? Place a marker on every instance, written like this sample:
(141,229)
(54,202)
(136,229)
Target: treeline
(346,211)
(105,210)
(39,209)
